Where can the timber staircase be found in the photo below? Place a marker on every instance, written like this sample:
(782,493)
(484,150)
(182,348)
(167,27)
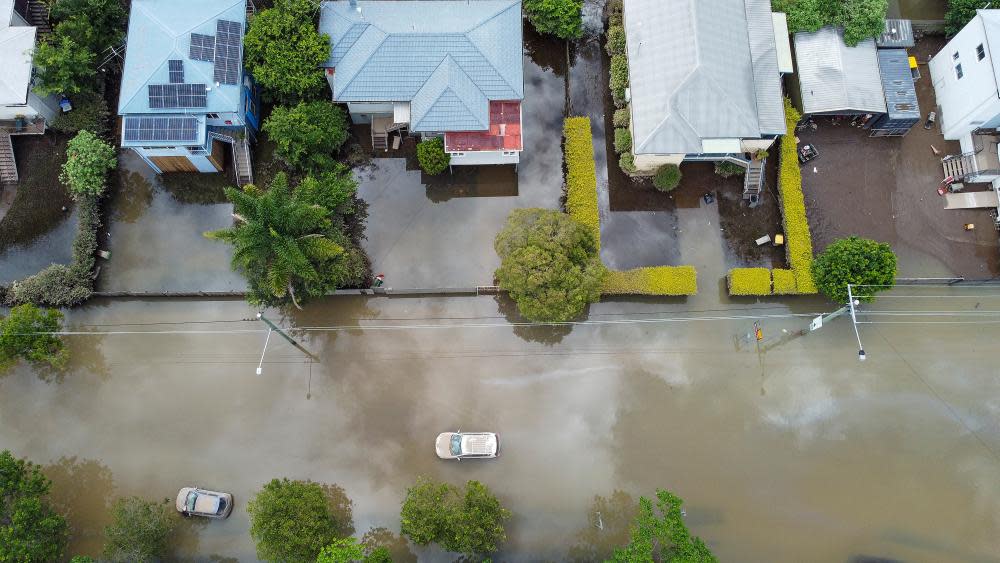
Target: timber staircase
(380,140)
(242,161)
(958,166)
(753,181)
(36,13)
(8,168)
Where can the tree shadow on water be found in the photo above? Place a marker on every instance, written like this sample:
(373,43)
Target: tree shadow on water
(82,490)
(609,520)
(398,547)
(546,334)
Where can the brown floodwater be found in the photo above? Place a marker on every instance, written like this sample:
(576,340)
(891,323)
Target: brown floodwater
(791,452)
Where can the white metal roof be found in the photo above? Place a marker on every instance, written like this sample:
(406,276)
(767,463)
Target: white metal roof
(16,46)
(782,41)
(836,78)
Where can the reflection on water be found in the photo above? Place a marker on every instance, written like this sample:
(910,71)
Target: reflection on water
(398,546)
(609,521)
(82,490)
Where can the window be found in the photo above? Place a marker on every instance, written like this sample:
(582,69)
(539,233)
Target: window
(954,56)
(458,154)
(958,71)
(212,116)
(980,52)
(509,153)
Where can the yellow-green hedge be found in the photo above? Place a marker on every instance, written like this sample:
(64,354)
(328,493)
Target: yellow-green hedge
(656,280)
(581,175)
(784,282)
(798,240)
(749,281)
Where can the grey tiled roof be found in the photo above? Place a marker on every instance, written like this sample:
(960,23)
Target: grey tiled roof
(836,78)
(700,69)
(447,57)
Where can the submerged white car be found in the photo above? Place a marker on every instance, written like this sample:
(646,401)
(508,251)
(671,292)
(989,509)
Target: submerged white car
(192,501)
(462,445)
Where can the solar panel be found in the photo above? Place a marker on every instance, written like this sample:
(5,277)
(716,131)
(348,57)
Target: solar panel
(202,47)
(228,39)
(177,96)
(172,129)
(176,71)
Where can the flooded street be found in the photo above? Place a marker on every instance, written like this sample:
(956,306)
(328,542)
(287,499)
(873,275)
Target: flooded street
(794,452)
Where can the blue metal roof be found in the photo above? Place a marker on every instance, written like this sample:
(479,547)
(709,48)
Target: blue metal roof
(448,57)
(160,31)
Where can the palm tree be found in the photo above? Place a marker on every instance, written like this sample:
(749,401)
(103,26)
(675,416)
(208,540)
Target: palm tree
(277,240)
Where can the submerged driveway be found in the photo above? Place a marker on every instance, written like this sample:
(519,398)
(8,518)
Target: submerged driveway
(792,452)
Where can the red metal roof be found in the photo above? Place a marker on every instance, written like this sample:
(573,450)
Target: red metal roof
(504,133)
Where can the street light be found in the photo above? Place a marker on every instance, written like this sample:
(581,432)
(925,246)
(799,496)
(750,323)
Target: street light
(260,365)
(854,321)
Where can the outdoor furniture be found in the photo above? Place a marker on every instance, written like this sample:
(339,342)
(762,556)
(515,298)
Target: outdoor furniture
(807,153)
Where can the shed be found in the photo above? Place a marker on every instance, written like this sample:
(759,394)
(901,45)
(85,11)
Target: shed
(897,33)
(835,79)
(902,111)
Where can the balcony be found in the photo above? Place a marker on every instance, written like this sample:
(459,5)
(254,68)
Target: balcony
(34,126)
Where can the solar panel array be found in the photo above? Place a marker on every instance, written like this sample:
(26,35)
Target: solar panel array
(177,96)
(228,37)
(174,129)
(202,47)
(176,71)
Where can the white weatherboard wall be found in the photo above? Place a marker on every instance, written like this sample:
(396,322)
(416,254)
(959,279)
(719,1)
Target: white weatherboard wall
(972,101)
(479,158)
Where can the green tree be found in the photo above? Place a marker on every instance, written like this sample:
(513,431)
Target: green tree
(856,261)
(960,13)
(94,24)
(82,559)
(279,242)
(26,333)
(30,531)
(549,264)
(291,521)
(308,134)
(63,66)
(431,156)
(88,160)
(662,537)
(333,189)
(139,530)
(861,19)
(348,550)
(562,18)
(283,51)
(469,521)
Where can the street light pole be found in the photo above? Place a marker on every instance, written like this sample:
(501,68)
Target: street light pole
(260,364)
(271,327)
(854,321)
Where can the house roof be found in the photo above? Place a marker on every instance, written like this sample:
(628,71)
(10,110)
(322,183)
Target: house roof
(449,58)
(836,78)
(160,31)
(699,70)
(897,84)
(16,46)
(897,33)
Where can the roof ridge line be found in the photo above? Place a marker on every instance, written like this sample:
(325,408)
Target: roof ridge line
(753,69)
(669,114)
(473,43)
(385,35)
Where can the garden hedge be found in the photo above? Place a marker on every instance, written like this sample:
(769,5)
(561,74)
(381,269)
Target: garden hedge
(656,280)
(784,282)
(798,240)
(623,140)
(749,281)
(581,175)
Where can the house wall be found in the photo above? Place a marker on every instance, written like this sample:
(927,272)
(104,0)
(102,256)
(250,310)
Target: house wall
(969,102)
(200,162)
(650,162)
(231,119)
(754,145)
(477,158)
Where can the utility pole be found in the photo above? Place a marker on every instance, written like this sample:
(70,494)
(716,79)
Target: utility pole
(821,320)
(854,320)
(275,328)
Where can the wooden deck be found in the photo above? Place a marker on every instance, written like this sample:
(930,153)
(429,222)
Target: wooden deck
(32,127)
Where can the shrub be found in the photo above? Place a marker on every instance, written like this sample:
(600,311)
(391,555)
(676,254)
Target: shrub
(749,281)
(619,79)
(308,134)
(140,531)
(798,240)
(431,156)
(855,261)
(623,118)
(291,521)
(90,113)
(283,51)
(616,10)
(581,175)
(727,169)
(616,40)
(667,177)
(88,160)
(623,140)
(549,264)
(562,18)
(627,163)
(657,280)
(784,282)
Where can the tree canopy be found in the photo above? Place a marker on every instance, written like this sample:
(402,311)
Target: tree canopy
(26,334)
(291,522)
(283,51)
(308,134)
(549,264)
(82,31)
(469,521)
(662,537)
(861,19)
(960,13)
(348,550)
(88,160)
(562,18)
(856,261)
(30,531)
(139,531)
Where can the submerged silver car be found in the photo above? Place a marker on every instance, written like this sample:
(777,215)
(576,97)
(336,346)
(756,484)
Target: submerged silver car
(192,501)
(464,445)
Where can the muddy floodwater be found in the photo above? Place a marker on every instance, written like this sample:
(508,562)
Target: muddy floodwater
(792,450)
